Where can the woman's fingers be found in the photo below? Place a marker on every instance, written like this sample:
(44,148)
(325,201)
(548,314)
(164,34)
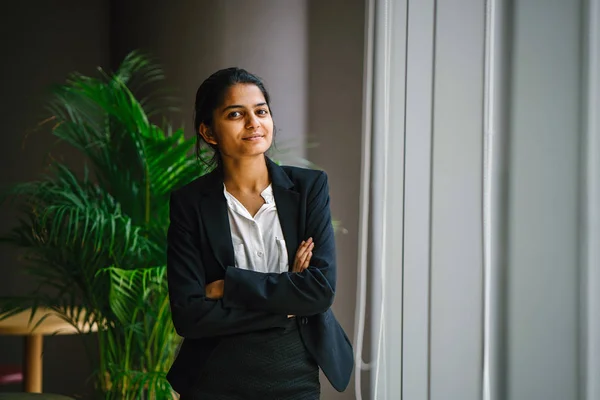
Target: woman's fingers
(302,253)
(305,252)
(214,290)
(299,255)
(303,256)
(306,262)
(306,257)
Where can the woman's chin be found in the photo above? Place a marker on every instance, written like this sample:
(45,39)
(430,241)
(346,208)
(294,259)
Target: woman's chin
(249,153)
(257,147)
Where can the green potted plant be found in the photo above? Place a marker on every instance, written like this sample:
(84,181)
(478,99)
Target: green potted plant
(95,241)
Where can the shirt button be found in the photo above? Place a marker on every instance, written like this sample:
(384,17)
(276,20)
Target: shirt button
(304,321)
(259,253)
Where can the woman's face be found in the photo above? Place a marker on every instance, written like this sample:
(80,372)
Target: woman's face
(242,125)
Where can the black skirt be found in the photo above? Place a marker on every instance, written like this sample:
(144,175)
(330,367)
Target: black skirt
(266,365)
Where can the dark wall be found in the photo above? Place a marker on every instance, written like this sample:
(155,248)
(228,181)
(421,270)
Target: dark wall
(41,42)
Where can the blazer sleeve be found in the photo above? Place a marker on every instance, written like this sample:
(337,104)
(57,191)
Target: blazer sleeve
(194,315)
(307,293)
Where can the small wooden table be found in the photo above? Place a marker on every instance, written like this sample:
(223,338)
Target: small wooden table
(33,396)
(53,324)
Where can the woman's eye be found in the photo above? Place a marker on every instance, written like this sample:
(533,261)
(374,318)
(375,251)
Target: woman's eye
(262,112)
(234,114)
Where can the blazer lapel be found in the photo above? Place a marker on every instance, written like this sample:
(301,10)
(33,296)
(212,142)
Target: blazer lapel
(287,201)
(213,209)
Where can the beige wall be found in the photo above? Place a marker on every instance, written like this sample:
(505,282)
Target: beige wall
(194,39)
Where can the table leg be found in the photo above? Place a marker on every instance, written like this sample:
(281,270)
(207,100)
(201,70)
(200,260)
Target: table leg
(33,363)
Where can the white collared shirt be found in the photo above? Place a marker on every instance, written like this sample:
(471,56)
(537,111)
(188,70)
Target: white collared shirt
(258,241)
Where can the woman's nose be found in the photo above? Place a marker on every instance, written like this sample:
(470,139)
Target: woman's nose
(252,122)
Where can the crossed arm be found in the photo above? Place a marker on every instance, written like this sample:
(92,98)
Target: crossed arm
(214,290)
(247,300)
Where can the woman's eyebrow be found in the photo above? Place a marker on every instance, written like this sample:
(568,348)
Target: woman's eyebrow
(240,106)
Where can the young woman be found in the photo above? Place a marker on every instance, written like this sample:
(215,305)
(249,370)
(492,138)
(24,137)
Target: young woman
(251,261)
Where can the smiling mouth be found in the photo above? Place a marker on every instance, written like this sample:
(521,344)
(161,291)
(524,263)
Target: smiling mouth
(251,138)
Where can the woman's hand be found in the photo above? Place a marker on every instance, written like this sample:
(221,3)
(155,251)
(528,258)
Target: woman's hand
(303,255)
(302,259)
(214,290)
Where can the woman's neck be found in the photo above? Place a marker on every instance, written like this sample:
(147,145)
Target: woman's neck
(245,175)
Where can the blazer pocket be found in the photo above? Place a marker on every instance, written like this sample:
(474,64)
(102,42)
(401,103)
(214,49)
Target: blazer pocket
(240,256)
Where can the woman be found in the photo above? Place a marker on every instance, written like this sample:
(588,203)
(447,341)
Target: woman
(251,261)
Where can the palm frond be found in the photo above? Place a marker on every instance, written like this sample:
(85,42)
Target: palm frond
(94,242)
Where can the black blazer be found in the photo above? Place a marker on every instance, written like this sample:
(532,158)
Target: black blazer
(200,251)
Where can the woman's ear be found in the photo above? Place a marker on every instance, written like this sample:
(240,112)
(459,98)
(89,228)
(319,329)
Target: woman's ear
(207,134)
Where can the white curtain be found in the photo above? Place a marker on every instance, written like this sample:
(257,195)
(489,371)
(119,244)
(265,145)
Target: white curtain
(591,205)
(467,219)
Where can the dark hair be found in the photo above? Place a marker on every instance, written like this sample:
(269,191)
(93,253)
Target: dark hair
(210,96)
